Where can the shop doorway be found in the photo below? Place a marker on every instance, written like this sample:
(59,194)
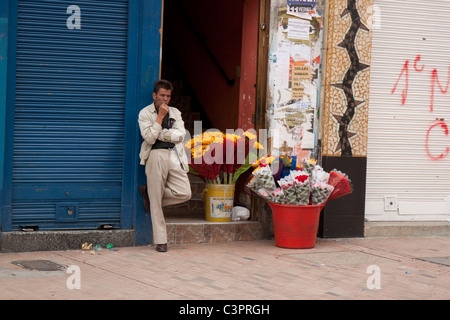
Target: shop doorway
(67,105)
(209,52)
(214,54)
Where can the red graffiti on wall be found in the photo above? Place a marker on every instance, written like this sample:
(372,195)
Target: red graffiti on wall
(416,60)
(444,127)
(434,79)
(405,70)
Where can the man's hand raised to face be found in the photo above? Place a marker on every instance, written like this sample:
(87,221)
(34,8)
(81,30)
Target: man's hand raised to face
(162,112)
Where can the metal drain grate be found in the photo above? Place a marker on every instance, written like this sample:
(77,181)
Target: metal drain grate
(40,265)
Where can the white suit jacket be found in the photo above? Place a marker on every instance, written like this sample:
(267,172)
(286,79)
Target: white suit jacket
(152,130)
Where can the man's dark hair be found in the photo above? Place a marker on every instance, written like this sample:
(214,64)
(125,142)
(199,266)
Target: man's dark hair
(164,84)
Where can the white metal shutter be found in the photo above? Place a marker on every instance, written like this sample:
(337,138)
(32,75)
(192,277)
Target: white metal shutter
(406,179)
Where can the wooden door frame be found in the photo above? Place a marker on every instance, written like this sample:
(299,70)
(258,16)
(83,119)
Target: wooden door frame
(260,122)
(254,61)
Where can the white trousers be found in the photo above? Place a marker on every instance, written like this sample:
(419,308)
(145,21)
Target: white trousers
(167,184)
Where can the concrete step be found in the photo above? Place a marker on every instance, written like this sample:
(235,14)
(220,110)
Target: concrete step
(192,227)
(406,228)
(186,222)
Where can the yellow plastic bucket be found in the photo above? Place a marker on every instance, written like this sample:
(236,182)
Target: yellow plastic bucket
(219,202)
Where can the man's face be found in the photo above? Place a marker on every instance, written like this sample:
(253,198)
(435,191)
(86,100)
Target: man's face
(162,96)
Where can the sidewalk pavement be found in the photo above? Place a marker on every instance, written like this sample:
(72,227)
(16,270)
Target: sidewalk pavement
(415,268)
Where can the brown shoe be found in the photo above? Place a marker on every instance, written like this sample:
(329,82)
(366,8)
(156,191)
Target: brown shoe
(161,247)
(145,199)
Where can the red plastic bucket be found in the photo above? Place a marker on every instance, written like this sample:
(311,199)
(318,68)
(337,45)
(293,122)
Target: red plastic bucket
(295,226)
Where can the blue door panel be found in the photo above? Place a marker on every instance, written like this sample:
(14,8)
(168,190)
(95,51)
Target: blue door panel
(70,105)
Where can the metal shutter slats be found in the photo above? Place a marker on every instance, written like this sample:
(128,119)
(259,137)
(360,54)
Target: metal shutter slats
(70,109)
(397,160)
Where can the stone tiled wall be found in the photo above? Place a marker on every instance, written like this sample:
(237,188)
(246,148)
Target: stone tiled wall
(182,233)
(346,77)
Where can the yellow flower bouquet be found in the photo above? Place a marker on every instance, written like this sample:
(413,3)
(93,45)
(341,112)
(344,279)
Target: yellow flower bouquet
(220,158)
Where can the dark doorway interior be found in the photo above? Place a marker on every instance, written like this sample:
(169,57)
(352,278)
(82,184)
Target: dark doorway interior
(210,53)
(202,55)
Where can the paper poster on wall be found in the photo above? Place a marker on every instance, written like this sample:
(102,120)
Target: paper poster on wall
(298,29)
(301,3)
(293,126)
(300,52)
(282,64)
(294,66)
(300,8)
(300,74)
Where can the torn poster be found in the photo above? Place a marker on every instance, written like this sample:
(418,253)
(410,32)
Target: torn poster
(298,8)
(300,74)
(298,29)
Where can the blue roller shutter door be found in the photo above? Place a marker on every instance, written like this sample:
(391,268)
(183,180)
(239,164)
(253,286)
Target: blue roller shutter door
(69,114)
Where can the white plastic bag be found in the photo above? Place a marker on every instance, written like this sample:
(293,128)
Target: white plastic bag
(240,213)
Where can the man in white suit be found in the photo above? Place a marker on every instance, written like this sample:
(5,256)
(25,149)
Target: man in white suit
(165,160)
